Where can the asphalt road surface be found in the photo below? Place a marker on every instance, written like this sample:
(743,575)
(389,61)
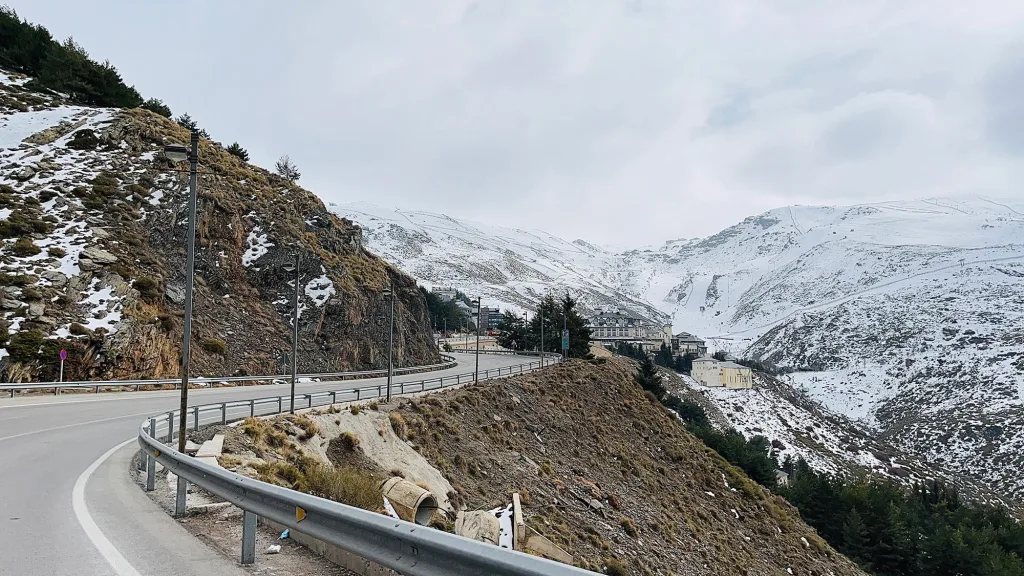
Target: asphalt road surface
(67,504)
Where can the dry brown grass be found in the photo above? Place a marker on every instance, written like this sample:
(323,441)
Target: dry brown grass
(398,424)
(348,485)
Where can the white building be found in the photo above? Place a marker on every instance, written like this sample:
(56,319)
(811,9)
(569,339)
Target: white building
(711,372)
(612,327)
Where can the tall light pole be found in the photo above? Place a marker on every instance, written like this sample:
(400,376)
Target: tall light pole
(565,313)
(178,153)
(542,337)
(476,374)
(390,291)
(295,331)
(526,326)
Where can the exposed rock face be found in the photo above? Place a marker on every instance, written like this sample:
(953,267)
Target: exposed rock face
(109,282)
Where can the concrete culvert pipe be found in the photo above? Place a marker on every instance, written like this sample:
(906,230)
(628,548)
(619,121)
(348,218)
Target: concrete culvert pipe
(412,503)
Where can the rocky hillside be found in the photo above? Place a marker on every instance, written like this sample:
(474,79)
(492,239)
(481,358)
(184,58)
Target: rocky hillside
(93,221)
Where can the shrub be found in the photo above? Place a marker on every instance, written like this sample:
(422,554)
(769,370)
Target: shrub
(355,410)
(348,485)
(16,279)
(215,346)
(309,428)
(628,525)
(5,333)
(147,287)
(78,330)
(30,293)
(25,247)
(24,346)
(120,269)
(616,568)
(84,139)
(56,252)
(47,195)
(398,424)
(348,441)
(166,322)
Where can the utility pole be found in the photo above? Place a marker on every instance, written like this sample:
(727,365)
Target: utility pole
(542,337)
(391,341)
(295,333)
(190,274)
(476,374)
(565,313)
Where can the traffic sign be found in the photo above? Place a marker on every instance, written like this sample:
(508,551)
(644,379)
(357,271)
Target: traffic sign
(63,354)
(565,339)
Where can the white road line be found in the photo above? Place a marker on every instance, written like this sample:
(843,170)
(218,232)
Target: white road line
(106,549)
(101,420)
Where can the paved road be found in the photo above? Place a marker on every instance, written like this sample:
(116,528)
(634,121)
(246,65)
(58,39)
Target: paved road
(50,444)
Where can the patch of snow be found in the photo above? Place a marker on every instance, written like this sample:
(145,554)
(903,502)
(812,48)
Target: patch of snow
(258,246)
(505,533)
(320,289)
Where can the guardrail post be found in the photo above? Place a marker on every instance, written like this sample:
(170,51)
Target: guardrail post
(252,408)
(97,389)
(179,499)
(378,391)
(150,460)
(223,412)
(401,388)
(309,397)
(279,409)
(248,537)
(195,417)
(170,426)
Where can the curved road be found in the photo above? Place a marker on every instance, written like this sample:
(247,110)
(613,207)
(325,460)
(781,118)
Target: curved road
(67,504)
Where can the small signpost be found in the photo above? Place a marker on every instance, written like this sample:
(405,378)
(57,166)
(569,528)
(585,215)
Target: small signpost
(565,340)
(63,357)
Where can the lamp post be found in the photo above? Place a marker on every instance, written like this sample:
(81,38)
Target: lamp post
(295,330)
(390,291)
(542,337)
(178,153)
(476,374)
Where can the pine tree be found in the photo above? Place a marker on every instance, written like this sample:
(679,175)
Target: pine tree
(856,542)
(649,378)
(664,357)
(156,105)
(186,121)
(513,332)
(236,150)
(556,314)
(286,169)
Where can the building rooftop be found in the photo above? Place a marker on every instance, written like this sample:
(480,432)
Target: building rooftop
(732,365)
(705,359)
(686,336)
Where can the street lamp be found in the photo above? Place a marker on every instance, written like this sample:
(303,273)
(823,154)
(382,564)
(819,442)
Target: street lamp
(390,291)
(178,153)
(295,328)
(476,374)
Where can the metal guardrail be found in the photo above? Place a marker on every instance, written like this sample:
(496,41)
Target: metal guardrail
(410,549)
(96,385)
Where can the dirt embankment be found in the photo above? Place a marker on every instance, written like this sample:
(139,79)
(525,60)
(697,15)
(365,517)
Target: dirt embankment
(610,476)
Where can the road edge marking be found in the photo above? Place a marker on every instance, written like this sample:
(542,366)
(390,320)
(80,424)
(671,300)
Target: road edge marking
(106,549)
(66,426)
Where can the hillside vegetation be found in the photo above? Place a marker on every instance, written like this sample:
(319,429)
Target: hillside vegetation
(93,226)
(610,475)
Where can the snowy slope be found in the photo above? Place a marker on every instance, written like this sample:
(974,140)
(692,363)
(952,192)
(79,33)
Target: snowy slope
(509,268)
(905,316)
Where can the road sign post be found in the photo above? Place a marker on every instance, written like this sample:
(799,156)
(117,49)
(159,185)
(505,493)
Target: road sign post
(565,343)
(63,357)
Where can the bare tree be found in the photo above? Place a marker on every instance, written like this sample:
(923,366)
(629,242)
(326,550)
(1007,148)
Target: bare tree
(286,169)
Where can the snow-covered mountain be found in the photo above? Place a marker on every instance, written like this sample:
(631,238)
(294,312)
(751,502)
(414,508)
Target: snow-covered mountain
(906,316)
(507,267)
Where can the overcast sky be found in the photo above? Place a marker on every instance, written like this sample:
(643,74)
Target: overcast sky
(619,121)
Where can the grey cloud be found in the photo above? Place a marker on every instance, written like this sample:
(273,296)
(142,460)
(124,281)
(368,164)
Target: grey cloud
(1004,99)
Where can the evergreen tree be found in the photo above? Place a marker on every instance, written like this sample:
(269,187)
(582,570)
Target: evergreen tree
(684,363)
(157,106)
(720,355)
(514,332)
(664,357)
(286,169)
(855,539)
(649,378)
(558,313)
(186,121)
(236,150)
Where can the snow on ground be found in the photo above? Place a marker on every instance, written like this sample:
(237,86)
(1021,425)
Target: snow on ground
(320,289)
(258,246)
(506,532)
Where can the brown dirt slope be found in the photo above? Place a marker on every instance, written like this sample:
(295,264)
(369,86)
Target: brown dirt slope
(663,502)
(92,259)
